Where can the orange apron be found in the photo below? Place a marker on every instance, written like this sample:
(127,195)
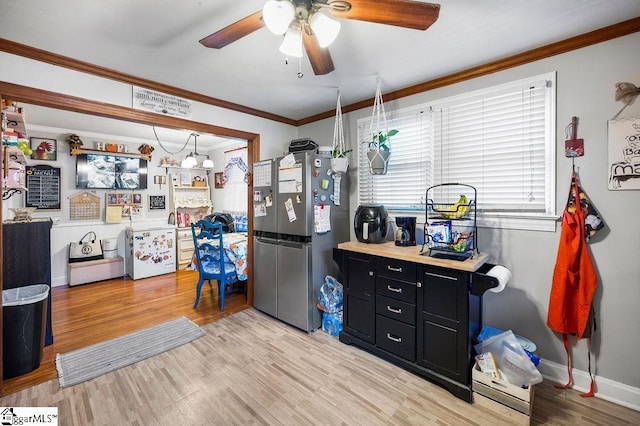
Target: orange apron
(574,277)
(574,281)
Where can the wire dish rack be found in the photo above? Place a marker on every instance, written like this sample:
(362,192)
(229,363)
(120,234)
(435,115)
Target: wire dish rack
(450,229)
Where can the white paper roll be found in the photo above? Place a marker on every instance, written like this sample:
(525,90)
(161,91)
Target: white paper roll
(109,253)
(502,274)
(110,244)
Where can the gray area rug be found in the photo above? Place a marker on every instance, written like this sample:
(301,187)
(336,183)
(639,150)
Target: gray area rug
(95,360)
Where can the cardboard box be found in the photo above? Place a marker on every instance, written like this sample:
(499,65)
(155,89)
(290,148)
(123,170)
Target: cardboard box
(512,396)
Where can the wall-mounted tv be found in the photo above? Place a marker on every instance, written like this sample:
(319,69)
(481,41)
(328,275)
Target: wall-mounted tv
(102,171)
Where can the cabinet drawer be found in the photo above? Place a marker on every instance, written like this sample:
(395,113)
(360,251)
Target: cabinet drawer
(394,268)
(400,290)
(184,234)
(396,337)
(185,254)
(401,311)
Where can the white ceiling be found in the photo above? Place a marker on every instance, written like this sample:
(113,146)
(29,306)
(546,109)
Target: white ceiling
(158,40)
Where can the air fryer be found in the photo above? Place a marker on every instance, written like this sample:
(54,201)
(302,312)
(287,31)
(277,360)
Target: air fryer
(370,223)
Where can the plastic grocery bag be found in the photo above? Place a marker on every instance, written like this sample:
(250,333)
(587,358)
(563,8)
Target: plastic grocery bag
(330,303)
(331,297)
(332,323)
(512,361)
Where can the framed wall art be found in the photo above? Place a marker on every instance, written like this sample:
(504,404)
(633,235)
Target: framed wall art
(219,179)
(43,149)
(43,187)
(624,154)
(157,202)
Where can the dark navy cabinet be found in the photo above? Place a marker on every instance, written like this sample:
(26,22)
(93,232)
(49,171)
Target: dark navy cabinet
(421,317)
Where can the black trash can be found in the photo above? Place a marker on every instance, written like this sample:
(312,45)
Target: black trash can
(24,319)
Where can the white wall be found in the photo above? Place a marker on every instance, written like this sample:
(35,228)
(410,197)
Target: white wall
(585,88)
(48,123)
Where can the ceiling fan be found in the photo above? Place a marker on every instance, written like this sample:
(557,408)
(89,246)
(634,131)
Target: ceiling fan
(309,23)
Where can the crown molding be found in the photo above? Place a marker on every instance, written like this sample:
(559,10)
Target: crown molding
(598,36)
(63,61)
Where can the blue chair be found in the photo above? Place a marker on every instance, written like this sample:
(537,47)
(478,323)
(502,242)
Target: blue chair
(211,259)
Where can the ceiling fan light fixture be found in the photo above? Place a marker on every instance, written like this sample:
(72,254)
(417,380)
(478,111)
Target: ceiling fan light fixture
(292,43)
(325,28)
(277,15)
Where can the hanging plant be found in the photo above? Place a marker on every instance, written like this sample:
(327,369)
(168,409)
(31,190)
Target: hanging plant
(339,159)
(380,144)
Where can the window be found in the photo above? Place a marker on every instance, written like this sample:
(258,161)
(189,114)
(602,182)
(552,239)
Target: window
(235,186)
(500,140)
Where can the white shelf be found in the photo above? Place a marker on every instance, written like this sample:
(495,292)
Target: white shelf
(185,169)
(179,205)
(194,201)
(190,187)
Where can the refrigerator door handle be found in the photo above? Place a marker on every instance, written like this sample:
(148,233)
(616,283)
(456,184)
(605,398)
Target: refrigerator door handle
(266,240)
(291,244)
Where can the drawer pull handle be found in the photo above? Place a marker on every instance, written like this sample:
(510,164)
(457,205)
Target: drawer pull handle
(394,289)
(441,276)
(394,310)
(393,338)
(394,269)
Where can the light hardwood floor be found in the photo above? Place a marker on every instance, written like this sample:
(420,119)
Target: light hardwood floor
(92,313)
(252,369)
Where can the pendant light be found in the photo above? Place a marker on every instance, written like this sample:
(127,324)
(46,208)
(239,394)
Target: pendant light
(191,159)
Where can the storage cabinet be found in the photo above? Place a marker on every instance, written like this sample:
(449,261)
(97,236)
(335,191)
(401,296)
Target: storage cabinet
(415,311)
(396,307)
(359,291)
(190,201)
(448,317)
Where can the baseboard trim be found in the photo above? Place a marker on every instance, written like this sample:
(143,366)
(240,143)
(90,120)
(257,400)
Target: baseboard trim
(607,389)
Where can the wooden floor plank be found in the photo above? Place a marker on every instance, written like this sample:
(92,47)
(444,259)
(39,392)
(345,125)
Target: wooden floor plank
(252,369)
(92,313)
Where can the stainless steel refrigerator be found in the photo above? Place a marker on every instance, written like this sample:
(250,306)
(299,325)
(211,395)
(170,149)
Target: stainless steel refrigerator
(301,212)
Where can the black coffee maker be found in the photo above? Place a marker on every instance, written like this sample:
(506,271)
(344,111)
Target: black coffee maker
(406,232)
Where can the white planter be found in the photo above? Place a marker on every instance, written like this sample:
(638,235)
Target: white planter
(378,161)
(339,165)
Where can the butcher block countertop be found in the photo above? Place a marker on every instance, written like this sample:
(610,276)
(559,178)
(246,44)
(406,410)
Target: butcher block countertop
(412,254)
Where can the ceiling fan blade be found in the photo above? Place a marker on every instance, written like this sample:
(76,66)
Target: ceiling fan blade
(401,13)
(234,32)
(320,58)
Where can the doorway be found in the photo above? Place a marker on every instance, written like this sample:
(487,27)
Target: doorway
(28,95)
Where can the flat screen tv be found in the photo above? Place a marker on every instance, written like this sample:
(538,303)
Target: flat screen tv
(102,171)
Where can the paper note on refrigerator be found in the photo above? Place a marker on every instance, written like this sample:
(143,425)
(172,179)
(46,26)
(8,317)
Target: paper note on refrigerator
(262,173)
(290,211)
(288,160)
(290,179)
(322,219)
(259,210)
(336,188)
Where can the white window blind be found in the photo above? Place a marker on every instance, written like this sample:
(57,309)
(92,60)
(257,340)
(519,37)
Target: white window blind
(410,165)
(499,140)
